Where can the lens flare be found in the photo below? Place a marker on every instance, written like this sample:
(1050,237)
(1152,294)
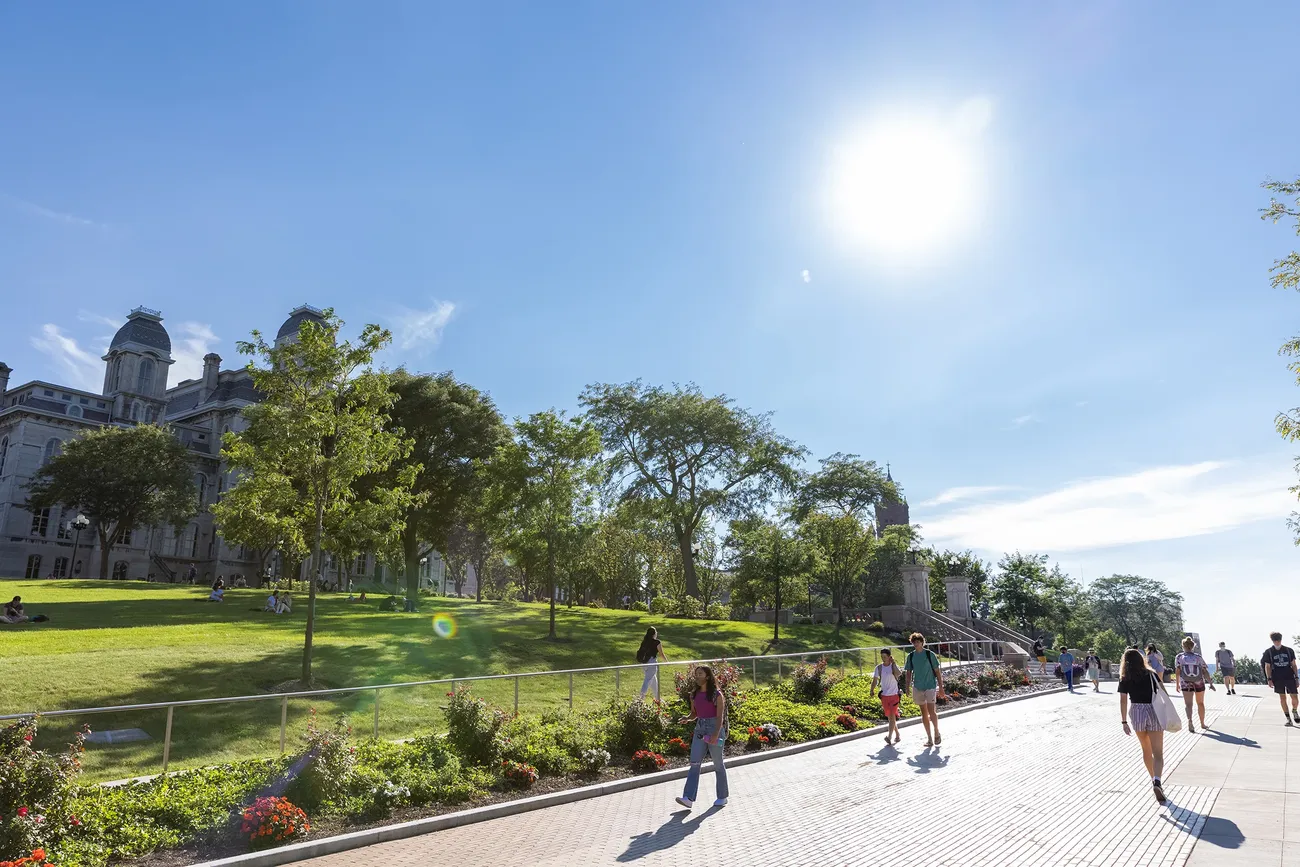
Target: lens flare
(444,625)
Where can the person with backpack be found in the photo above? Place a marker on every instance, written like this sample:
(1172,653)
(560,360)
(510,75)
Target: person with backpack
(888,676)
(1092,665)
(1138,683)
(1065,662)
(926,682)
(1040,653)
(709,713)
(648,654)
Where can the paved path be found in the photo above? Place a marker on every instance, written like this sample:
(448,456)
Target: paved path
(1050,781)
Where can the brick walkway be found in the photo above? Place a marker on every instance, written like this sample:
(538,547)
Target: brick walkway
(1050,781)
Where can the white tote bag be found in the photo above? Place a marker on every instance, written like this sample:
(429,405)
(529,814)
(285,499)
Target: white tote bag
(1164,708)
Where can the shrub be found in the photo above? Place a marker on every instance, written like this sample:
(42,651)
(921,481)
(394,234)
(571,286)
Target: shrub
(426,767)
(324,781)
(594,759)
(741,612)
(636,725)
(646,760)
(663,605)
(847,722)
(717,611)
(511,592)
(638,605)
(795,720)
(518,774)
(36,859)
(35,787)
(271,821)
(689,606)
(876,626)
(811,683)
(678,747)
(529,741)
(756,739)
(726,675)
(850,710)
(473,727)
(773,733)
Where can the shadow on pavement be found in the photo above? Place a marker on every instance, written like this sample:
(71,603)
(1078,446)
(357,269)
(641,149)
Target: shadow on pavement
(1230,739)
(666,836)
(886,754)
(928,761)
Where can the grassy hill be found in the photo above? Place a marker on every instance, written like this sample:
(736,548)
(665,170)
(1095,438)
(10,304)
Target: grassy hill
(113,643)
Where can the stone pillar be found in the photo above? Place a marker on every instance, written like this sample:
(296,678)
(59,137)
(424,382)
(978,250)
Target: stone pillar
(916,586)
(5,370)
(958,587)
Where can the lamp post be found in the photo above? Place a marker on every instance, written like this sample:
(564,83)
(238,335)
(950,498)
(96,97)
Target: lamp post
(81,522)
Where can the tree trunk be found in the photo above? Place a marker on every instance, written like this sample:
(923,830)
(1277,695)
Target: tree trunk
(688,562)
(776,615)
(105,549)
(411,556)
(550,578)
(311,594)
(480,561)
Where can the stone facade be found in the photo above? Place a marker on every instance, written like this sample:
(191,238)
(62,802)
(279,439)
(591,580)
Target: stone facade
(37,417)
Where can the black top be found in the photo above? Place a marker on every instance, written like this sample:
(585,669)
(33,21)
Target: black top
(646,653)
(1280,658)
(1139,691)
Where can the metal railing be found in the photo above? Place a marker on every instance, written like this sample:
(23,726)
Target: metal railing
(951,653)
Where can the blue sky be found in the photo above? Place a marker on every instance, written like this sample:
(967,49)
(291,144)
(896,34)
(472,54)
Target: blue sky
(539,196)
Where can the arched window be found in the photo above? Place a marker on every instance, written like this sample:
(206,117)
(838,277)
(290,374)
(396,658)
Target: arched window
(115,381)
(74,411)
(136,411)
(201,482)
(60,567)
(52,448)
(4,451)
(33,566)
(144,376)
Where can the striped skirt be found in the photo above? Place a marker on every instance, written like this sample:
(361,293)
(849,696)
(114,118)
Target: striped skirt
(1142,718)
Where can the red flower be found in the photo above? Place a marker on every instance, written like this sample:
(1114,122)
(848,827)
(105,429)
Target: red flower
(22,812)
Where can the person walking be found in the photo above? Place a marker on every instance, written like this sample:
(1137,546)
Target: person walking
(709,713)
(1066,661)
(1190,678)
(887,675)
(1092,665)
(1156,660)
(1137,685)
(651,650)
(1226,664)
(926,682)
(1040,653)
(1279,667)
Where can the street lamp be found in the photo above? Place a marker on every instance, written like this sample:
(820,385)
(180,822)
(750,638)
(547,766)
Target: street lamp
(81,522)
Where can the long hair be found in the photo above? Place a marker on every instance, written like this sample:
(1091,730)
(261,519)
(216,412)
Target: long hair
(710,685)
(647,651)
(1133,666)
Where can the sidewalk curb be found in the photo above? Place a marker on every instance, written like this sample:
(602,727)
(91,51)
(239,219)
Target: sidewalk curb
(417,827)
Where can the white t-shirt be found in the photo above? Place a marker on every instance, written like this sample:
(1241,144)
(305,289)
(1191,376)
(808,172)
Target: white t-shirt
(888,683)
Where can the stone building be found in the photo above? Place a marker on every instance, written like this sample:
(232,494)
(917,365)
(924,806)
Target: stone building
(37,417)
(892,513)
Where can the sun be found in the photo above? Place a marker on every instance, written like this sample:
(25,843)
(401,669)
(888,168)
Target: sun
(904,186)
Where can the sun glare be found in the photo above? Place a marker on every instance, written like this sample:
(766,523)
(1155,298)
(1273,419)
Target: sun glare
(907,185)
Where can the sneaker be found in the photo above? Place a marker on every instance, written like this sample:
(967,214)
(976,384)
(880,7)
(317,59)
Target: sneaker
(721,802)
(1296,715)
(686,803)
(1288,722)
(1159,792)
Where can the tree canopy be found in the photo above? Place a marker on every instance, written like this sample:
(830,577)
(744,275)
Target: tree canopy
(1138,609)
(1285,205)
(121,478)
(847,485)
(771,563)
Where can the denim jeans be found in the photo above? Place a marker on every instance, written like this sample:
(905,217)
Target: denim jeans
(651,678)
(1068,673)
(703,728)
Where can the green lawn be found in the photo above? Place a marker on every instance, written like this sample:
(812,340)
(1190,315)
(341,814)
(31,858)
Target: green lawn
(114,643)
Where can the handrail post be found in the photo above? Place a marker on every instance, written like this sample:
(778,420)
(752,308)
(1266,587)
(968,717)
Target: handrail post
(516,695)
(778,669)
(570,691)
(657,678)
(618,686)
(284,720)
(167,739)
(755,672)
(376,728)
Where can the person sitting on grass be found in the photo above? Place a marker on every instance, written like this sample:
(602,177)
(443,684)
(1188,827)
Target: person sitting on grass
(14,611)
(218,593)
(273,602)
(286,603)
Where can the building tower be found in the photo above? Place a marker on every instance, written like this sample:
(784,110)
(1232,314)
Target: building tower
(890,512)
(135,371)
(288,332)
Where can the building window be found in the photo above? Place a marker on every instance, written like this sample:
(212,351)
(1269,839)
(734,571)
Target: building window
(119,570)
(52,447)
(74,411)
(48,393)
(40,522)
(85,401)
(136,411)
(117,373)
(144,377)
(4,452)
(63,529)
(201,482)
(60,567)
(33,567)
(123,537)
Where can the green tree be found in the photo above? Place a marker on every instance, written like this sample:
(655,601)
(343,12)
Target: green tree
(1248,671)
(268,520)
(454,428)
(548,471)
(771,564)
(695,455)
(122,478)
(1110,645)
(1026,594)
(845,547)
(1284,204)
(947,563)
(882,584)
(845,485)
(1139,609)
(322,427)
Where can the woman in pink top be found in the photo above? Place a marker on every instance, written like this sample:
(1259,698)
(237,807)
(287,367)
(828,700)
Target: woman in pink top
(709,713)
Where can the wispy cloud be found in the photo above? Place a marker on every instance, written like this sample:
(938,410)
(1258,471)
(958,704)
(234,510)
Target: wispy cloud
(190,342)
(807,275)
(970,492)
(83,368)
(1022,420)
(49,213)
(1161,503)
(422,329)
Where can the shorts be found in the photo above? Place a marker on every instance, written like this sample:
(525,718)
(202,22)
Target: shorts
(929,696)
(1228,671)
(1284,687)
(1192,687)
(889,704)
(1042,659)
(1142,718)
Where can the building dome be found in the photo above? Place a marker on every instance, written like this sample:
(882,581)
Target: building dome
(144,327)
(301,314)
